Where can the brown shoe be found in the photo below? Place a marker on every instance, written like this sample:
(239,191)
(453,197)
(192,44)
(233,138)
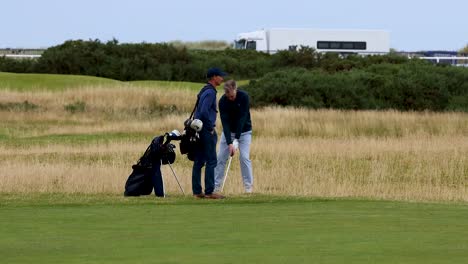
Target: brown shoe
(214,196)
(199,196)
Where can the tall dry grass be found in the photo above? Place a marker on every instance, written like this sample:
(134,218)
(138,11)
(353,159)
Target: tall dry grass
(326,153)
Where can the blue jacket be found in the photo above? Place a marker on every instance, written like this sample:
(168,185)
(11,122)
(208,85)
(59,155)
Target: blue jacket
(207,109)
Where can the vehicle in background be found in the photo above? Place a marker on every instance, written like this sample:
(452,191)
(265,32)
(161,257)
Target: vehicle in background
(445,57)
(21,53)
(322,40)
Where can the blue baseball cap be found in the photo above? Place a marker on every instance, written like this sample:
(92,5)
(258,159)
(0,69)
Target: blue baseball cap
(215,72)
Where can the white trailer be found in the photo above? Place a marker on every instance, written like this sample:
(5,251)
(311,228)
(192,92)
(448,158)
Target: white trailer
(322,40)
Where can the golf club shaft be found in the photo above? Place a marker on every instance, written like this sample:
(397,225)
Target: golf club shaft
(227,170)
(176,178)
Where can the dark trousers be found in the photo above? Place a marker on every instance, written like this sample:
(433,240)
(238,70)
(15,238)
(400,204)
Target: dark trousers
(205,155)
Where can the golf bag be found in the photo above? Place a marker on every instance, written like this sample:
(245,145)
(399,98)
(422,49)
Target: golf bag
(190,140)
(146,174)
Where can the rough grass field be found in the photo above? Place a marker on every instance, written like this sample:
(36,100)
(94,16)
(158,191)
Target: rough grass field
(84,139)
(67,146)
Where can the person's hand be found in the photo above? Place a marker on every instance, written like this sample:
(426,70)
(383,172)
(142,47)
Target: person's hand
(235,143)
(232,150)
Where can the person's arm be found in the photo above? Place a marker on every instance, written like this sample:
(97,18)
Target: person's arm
(206,101)
(223,113)
(243,114)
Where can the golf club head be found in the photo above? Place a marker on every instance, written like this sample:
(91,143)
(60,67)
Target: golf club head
(174,134)
(187,122)
(196,125)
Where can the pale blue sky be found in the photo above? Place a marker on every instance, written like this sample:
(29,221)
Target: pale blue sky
(413,25)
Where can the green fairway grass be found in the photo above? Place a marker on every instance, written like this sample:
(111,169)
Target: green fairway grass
(76,228)
(59,82)
(50,82)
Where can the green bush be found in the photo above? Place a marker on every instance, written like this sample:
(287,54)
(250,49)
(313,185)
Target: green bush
(297,78)
(123,62)
(314,89)
(162,61)
(25,106)
(17,65)
(305,57)
(384,86)
(75,107)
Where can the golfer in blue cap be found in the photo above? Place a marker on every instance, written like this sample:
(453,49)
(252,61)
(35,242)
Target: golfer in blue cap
(206,154)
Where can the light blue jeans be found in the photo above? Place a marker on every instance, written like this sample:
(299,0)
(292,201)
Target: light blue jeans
(246,165)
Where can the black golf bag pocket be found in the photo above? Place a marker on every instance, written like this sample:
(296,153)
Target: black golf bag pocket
(139,182)
(167,154)
(189,145)
(189,141)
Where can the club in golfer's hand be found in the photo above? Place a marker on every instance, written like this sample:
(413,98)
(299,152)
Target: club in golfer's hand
(235,144)
(233,147)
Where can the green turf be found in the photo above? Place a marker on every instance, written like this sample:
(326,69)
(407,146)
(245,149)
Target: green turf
(60,82)
(50,82)
(257,229)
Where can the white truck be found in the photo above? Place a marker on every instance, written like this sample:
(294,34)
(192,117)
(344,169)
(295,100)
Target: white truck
(322,40)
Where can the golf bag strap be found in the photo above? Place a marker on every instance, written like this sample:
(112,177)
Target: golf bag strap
(195,108)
